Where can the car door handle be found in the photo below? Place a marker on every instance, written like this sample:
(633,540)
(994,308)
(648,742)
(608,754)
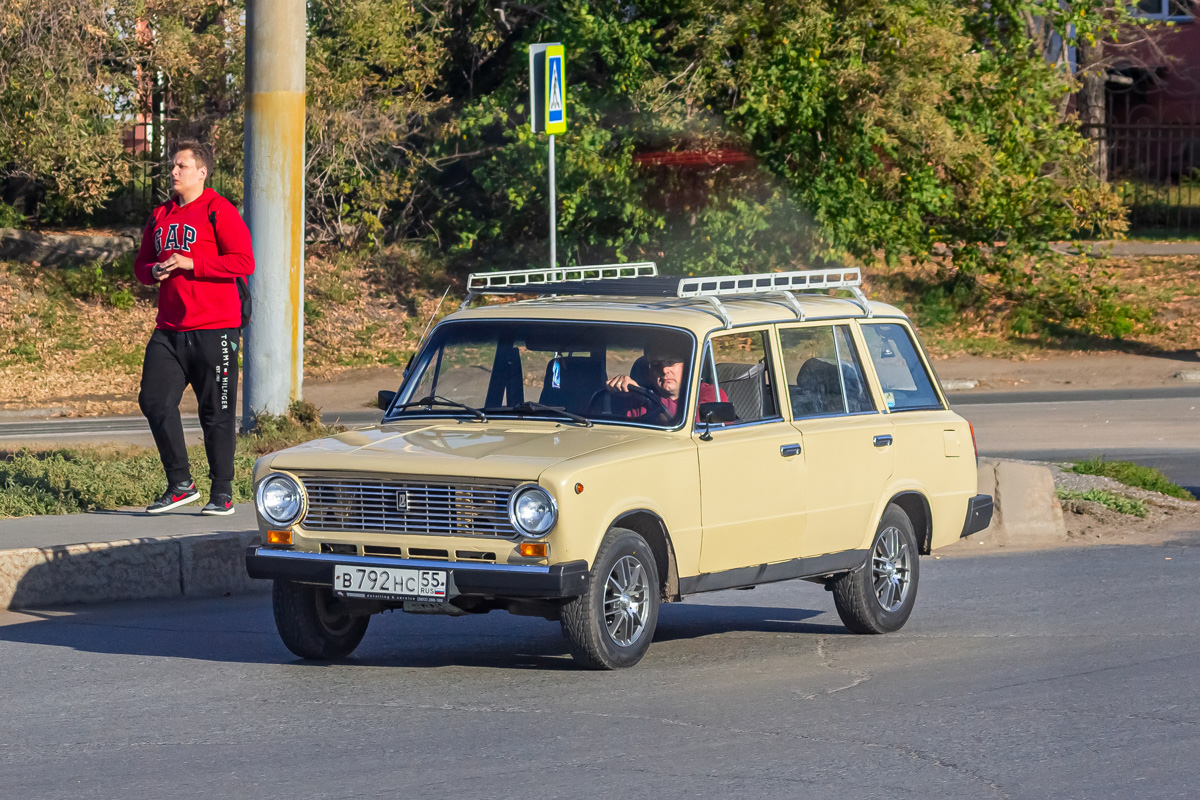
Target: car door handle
(788,450)
(883,440)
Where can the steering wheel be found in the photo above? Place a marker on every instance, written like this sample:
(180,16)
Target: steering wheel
(645,398)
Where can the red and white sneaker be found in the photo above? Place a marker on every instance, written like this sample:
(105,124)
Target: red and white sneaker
(219,505)
(178,495)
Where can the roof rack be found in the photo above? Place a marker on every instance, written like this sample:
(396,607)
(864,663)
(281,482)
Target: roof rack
(548,281)
(641,279)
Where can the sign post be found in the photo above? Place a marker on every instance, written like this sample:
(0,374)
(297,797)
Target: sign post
(548,114)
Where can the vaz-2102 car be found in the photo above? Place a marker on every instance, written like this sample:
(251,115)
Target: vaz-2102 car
(620,441)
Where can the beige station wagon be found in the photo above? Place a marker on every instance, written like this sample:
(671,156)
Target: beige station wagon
(623,440)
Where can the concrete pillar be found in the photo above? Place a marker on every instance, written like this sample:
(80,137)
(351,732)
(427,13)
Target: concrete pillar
(274,208)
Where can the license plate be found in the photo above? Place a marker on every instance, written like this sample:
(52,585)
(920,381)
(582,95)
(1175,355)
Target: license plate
(380,583)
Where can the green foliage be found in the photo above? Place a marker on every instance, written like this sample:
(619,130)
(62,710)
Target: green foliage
(875,130)
(196,50)
(110,283)
(75,480)
(375,78)
(1117,502)
(62,80)
(10,217)
(868,130)
(1132,474)
(70,481)
(270,432)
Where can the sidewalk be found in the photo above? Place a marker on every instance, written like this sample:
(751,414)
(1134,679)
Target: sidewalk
(1069,371)
(124,555)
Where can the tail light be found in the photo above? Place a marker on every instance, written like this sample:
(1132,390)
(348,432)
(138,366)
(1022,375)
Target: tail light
(973,444)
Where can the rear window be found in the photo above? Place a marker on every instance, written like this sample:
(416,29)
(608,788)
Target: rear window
(902,377)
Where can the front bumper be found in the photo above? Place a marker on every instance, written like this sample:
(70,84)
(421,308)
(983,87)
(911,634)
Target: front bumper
(465,578)
(979,514)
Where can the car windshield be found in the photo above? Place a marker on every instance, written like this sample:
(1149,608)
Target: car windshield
(550,370)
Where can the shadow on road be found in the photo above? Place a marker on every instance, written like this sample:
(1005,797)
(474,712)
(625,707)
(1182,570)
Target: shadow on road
(693,620)
(241,630)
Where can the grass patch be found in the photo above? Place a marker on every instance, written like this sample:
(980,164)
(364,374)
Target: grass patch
(122,356)
(75,480)
(1117,502)
(1132,474)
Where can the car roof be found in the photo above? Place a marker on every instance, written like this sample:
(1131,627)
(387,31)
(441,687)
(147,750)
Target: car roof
(697,314)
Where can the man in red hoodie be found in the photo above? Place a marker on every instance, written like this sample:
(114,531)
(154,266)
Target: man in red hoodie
(195,247)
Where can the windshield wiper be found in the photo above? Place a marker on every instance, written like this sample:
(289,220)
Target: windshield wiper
(434,400)
(529,407)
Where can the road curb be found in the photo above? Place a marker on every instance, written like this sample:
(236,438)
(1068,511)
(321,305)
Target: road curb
(1026,510)
(1026,513)
(195,565)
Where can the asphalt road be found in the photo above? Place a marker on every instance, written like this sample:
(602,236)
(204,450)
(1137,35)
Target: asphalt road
(1059,674)
(1157,428)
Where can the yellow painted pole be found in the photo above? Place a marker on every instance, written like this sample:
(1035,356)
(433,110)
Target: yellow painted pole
(274,204)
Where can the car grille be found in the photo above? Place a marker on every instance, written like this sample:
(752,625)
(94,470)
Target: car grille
(429,507)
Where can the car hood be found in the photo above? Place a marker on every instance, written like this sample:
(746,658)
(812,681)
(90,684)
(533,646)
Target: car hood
(512,449)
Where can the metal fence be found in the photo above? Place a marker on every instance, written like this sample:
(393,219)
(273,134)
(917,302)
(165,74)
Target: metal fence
(1156,170)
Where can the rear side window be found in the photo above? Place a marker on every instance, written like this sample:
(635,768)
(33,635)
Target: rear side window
(825,376)
(902,377)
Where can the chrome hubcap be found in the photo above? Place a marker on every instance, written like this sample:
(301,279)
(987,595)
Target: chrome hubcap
(626,601)
(891,566)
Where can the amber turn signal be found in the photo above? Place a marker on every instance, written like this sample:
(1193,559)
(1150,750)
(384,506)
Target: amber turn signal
(579,488)
(279,537)
(535,549)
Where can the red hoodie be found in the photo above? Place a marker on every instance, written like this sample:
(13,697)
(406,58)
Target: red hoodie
(210,231)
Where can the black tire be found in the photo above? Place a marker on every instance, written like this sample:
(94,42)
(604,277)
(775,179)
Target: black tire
(625,558)
(879,596)
(313,623)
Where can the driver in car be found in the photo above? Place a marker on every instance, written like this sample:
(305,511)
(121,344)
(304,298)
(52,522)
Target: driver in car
(665,365)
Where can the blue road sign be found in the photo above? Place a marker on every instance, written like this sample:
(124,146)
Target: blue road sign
(555,115)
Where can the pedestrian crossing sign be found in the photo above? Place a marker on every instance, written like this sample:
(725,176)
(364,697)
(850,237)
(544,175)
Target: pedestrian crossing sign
(547,88)
(556,114)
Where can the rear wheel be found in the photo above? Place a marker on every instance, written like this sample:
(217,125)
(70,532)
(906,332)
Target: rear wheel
(879,596)
(610,626)
(315,624)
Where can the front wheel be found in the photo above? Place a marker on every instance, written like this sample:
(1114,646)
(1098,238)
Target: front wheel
(611,624)
(879,596)
(315,624)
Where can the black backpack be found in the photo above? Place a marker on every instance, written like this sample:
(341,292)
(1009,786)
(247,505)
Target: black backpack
(243,287)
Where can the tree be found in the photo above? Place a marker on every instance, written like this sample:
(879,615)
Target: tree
(375,75)
(63,91)
(894,128)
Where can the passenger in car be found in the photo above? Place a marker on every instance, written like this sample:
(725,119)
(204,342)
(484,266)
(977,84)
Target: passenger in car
(665,366)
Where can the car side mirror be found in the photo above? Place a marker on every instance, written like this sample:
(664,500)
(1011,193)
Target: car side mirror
(718,412)
(385,399)
(714,413)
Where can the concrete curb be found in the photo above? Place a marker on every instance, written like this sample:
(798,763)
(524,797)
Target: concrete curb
(1027,512)
(194,565)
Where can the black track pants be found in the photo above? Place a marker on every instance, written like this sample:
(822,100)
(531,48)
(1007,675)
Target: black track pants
(207,360)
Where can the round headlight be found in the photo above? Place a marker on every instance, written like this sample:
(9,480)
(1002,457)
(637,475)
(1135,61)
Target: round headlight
(280,499)
(532,511)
